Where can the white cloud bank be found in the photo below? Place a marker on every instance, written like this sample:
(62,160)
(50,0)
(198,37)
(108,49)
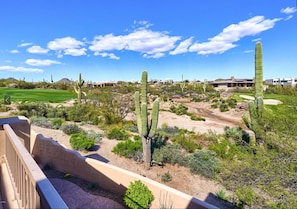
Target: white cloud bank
(67,46)
(155,44)
(20,69)
(233,33)
(37,62)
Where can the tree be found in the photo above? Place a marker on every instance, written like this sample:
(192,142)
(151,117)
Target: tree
(147,129)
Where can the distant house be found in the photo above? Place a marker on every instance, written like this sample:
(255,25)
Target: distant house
(282,81)
(224,84)
(101,84)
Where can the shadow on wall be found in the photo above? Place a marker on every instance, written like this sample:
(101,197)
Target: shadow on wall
(97,157)
(222,204)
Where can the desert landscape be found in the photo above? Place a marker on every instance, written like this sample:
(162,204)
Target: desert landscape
(182,180)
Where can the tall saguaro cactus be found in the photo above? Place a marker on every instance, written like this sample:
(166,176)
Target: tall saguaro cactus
(78,88)
(256,107)
(258,78)
(146,128)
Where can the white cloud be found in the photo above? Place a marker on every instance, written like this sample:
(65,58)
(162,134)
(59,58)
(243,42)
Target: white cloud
(289,17)
(104,54)
(36,62)
(75,52)
(37,50)
(257,39)
(233,33)
(151,44)
(67,46)
(288,10)
(24,44)
(20,69)
(248,51)
(211,47)
(15,51)
(182,47)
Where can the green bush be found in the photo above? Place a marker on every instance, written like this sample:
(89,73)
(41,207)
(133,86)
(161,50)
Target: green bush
(225,149)
(71,129)
(224,107)
(166,177)
(204,162)
(186,142)
(197,118)
(81,142)
(138,196)
(128,148)
(171,154)
(57,123)
(118,134)
(179,110)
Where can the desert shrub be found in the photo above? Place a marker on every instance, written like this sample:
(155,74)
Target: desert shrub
(204,162)
(30,109)
(214,106)
(197,118)
(81,142)
(236,134)
(83,112)
(179,110)
(94,135)
(171,154)
(138,196)
(166,177)
(57,123)
(71,129)
(225,149)
(245,196)
(232,102)
(118,134)
(128,148)
(137,138)
(166,130)
(186,142)
(224,107)
(41,122)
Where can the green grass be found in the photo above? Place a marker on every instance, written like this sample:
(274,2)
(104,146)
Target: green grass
(37,95)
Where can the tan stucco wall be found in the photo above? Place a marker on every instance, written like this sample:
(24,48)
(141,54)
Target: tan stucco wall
(115,179)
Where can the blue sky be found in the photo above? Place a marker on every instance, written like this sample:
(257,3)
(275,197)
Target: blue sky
(110,40)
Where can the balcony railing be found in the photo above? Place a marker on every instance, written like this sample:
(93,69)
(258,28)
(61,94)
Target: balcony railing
(23,184)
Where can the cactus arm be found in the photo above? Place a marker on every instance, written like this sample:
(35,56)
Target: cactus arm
(137,111)
(155,116)
(144,87)
(144,119)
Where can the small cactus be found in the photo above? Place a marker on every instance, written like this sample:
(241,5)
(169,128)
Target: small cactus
(182,85)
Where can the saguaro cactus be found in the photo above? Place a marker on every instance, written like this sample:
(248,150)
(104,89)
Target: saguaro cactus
(256,107)
(78,88)
(146,128)
(258,78)
(182,85)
